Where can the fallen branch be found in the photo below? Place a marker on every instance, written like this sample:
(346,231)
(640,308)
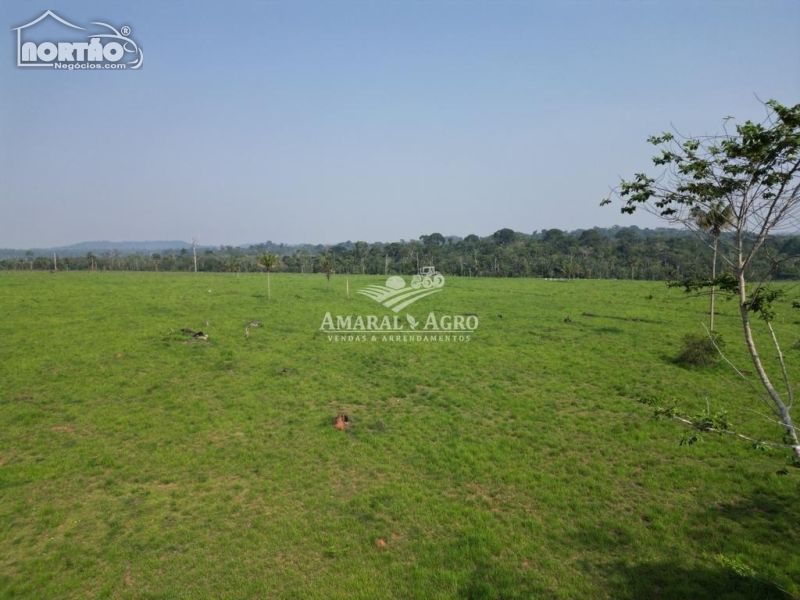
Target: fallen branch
(707,423)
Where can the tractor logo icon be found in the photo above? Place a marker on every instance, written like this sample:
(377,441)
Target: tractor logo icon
(396,296)
(427,278)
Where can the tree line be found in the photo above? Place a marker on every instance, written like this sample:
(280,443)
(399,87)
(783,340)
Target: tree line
(598,253)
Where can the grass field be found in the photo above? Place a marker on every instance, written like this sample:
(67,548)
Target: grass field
(136,462)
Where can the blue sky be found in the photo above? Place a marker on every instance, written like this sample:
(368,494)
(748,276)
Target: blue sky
(326,121)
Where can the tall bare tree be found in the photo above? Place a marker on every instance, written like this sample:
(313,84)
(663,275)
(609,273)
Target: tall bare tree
(194,252)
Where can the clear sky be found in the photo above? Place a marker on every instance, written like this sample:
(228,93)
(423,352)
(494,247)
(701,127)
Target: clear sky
(323,121)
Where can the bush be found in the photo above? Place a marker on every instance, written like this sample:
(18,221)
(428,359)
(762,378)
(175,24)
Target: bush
(699,350)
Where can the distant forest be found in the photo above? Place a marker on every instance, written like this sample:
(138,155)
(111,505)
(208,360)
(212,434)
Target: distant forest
(598,253)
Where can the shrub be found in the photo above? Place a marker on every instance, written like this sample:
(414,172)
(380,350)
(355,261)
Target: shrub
(700,350)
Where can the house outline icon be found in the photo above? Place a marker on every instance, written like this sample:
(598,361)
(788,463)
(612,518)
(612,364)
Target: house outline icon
(48,13)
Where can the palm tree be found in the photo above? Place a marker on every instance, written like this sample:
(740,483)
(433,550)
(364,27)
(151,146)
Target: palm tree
(235,265)
(328,268)
(268,262)
(715,219)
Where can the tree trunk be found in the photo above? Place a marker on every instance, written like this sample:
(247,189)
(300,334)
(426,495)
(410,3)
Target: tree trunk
(713,276)
(781,410)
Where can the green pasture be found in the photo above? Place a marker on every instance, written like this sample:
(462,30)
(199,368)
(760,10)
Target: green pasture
(137,462)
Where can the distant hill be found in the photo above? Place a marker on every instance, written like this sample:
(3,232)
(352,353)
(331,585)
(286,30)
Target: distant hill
(133,247)
(98,247)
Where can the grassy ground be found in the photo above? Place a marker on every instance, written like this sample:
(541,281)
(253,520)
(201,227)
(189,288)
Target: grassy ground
(136,462)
